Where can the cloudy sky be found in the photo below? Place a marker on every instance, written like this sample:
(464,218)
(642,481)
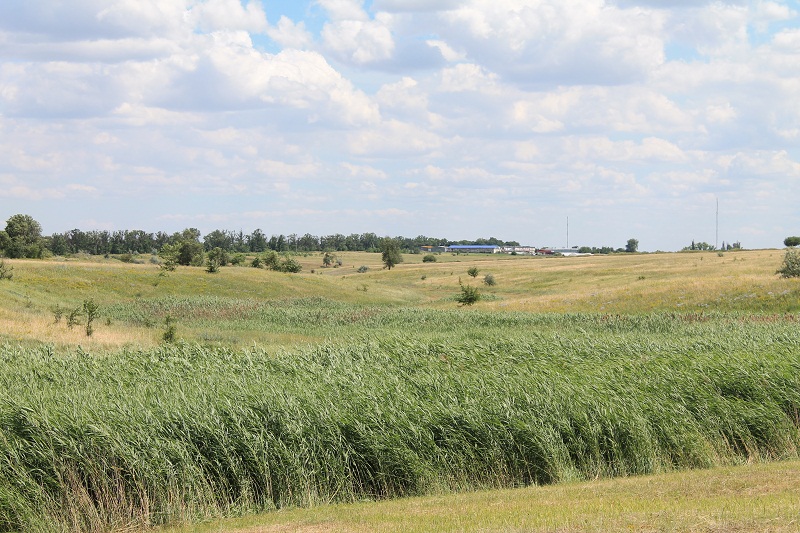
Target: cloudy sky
(448,118)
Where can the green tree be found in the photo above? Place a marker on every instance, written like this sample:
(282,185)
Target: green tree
(5,242)
(791,242)
(704,246)
(169,256)
(473,271)
(190,253)
(24,237)
(218,239)
(390,253)
(632,246)
(257,241)
(215,259)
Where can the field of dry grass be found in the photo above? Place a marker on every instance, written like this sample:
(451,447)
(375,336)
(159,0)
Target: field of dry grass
(743,281)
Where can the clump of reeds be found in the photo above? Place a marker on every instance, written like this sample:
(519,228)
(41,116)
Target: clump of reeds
(183,432)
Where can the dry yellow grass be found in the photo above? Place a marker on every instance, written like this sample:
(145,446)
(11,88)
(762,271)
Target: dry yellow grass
(620,283)
(19,327)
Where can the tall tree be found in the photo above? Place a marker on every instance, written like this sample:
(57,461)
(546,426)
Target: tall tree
(257,241)
(390,253)
(218,239)
(632,245)
(791,242)
(24,237)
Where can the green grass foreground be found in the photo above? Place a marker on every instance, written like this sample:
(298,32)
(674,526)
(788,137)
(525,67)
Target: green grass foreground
(135,438)
(752,498)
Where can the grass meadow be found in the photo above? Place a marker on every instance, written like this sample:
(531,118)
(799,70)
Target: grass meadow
(284,391)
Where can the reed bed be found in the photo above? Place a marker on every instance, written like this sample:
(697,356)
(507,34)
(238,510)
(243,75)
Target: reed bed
(135,438)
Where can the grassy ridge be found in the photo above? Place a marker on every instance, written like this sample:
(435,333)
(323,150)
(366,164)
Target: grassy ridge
(92,442)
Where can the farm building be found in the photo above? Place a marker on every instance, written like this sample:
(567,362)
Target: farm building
(473,248)
(562,251)
(432,249)
(529,250)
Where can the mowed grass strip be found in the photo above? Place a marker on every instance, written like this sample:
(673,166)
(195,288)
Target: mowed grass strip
(748,498)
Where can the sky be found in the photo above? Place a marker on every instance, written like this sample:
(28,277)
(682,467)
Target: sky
(548,122)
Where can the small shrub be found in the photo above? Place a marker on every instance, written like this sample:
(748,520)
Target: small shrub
(791,264)
(489,280)
(289,265)
(72,317)
(473,271)
(430,258)
(362,269)
(469,295)
(92,311)
(424,277)
(169,329)
(238,259)
(168,265)
(5,270)
(58,312)
(271,260)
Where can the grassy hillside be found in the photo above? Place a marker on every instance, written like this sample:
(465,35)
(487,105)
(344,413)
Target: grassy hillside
(230,307)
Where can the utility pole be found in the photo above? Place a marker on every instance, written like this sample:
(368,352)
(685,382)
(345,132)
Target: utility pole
(567,231)
(716,238)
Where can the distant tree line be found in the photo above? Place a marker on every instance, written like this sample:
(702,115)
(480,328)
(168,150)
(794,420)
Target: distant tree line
(704,246)
(22,238)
